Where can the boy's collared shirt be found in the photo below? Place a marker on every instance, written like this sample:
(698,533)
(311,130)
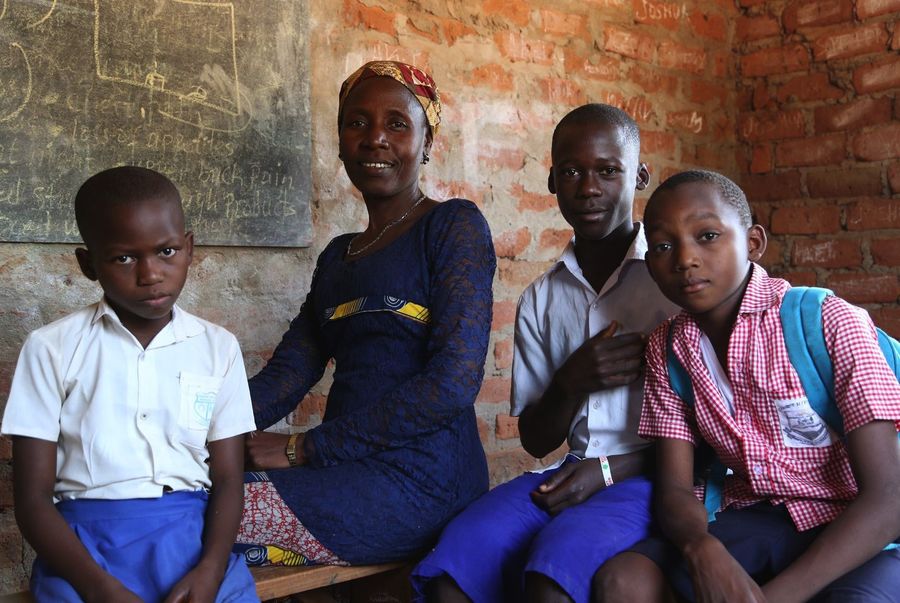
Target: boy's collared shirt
(129,422)
(778,448)
(556,314)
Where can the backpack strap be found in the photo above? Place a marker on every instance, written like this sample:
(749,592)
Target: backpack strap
(706,462)
(804,337)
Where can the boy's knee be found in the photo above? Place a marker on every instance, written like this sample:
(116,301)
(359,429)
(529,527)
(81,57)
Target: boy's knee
(628,577)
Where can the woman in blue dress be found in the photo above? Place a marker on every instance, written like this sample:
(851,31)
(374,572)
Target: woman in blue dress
(404,310)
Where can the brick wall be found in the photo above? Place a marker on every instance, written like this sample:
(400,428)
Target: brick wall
(508,70)
(819,142)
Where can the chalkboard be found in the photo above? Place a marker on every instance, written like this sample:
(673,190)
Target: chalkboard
(213,94)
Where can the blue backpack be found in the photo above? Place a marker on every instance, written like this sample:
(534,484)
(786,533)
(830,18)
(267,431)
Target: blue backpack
(801,321)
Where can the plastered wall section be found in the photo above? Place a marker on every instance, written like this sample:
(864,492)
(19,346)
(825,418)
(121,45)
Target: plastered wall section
(507,72)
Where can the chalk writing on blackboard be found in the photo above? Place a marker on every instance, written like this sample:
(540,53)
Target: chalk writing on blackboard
(213,94)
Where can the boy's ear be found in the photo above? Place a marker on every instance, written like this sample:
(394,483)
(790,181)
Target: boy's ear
(551,182)
(643,177)
(84,262)
(189,245)
(756,242)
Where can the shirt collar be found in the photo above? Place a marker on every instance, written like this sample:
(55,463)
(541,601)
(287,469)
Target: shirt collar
(636,252)
(182,326)
(762,291)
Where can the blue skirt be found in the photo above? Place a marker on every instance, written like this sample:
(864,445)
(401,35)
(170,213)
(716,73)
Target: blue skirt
(148,544)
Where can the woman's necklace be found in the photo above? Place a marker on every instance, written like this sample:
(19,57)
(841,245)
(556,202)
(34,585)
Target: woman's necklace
(387,226)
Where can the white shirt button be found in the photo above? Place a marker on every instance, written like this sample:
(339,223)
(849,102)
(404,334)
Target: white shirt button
(758,469)
(595,443)
(597,405)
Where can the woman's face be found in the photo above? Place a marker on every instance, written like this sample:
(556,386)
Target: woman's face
(383,134)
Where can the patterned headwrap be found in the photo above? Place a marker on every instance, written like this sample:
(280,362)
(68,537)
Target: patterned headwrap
(416,81)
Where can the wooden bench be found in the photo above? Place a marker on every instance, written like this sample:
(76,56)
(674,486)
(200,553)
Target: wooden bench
(275,581)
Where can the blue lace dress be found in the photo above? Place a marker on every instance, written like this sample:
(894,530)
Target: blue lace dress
(397,454)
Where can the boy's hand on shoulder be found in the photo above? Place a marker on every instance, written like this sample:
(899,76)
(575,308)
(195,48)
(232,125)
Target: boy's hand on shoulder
(197,586)
(717,576)
(603,361)
(572,484)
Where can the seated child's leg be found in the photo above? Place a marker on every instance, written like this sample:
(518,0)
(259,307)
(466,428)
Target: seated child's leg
(877,581)
(632,578)
(483,549)
(581,538)
(147,544)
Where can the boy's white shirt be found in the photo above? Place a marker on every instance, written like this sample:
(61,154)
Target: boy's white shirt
(556,314)
(129,422)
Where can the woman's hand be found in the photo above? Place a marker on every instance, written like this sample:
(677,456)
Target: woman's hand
(267,450)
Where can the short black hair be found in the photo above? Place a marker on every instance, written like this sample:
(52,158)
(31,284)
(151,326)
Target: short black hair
(730,192)
(119,185)
(600,113)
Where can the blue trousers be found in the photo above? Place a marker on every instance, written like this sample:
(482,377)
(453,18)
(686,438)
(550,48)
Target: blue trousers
(148,544)
(488,547)
(764,540)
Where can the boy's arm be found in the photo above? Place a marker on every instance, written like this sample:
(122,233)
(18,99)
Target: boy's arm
(601,362)
(223,515)
(34,475)
(870,522)
(715,574)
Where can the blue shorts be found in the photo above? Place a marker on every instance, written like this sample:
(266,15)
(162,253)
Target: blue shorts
(764,540)
(148,544)
(488,547)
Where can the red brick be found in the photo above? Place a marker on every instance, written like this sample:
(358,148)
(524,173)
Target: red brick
(5,448)
(888,318)
(853,115)
(503,354)
(772,187)
(686,121)
(861,40)
(484,432)
(873,8)
(722,63)
(806,13)
(658,143)
(555,239)
(504,465)
(878,76)
(856,182)
(761,96)
(801,278)
(864,288)
(762,213)
(708,25)
(504,315)
(507,427)
(815,86)
(651,79)
(832,253)
(875,144)
(518,48)
(874,214)
(594,66)
(528,201)
(774,252)
(493,158)
(6,490)
(494,389)
(828,149)
(659,12)
(683,58)
(806,220)
(492,76)
(454,30)
(511,243)
(514,12)
(443,189)
(425,27)
(748,29)
(893,174)
(766,125)
(762,160)
(886,252)
(564,24)
(561,91)
(703,91)
(628,43)
(359,15)
(312,404)
(518,273)
(638,107)
(781,59)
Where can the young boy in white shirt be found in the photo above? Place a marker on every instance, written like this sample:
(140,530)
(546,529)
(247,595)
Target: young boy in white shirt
(128,418)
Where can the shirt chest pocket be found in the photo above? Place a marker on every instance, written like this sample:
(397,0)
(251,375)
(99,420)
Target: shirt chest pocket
(198,404)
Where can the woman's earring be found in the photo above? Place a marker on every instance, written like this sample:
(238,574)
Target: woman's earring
(425,158)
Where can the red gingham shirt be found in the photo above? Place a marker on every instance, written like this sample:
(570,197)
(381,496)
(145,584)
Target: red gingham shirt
(814,483)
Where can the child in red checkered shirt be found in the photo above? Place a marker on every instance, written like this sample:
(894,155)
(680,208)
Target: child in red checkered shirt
(806,514)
